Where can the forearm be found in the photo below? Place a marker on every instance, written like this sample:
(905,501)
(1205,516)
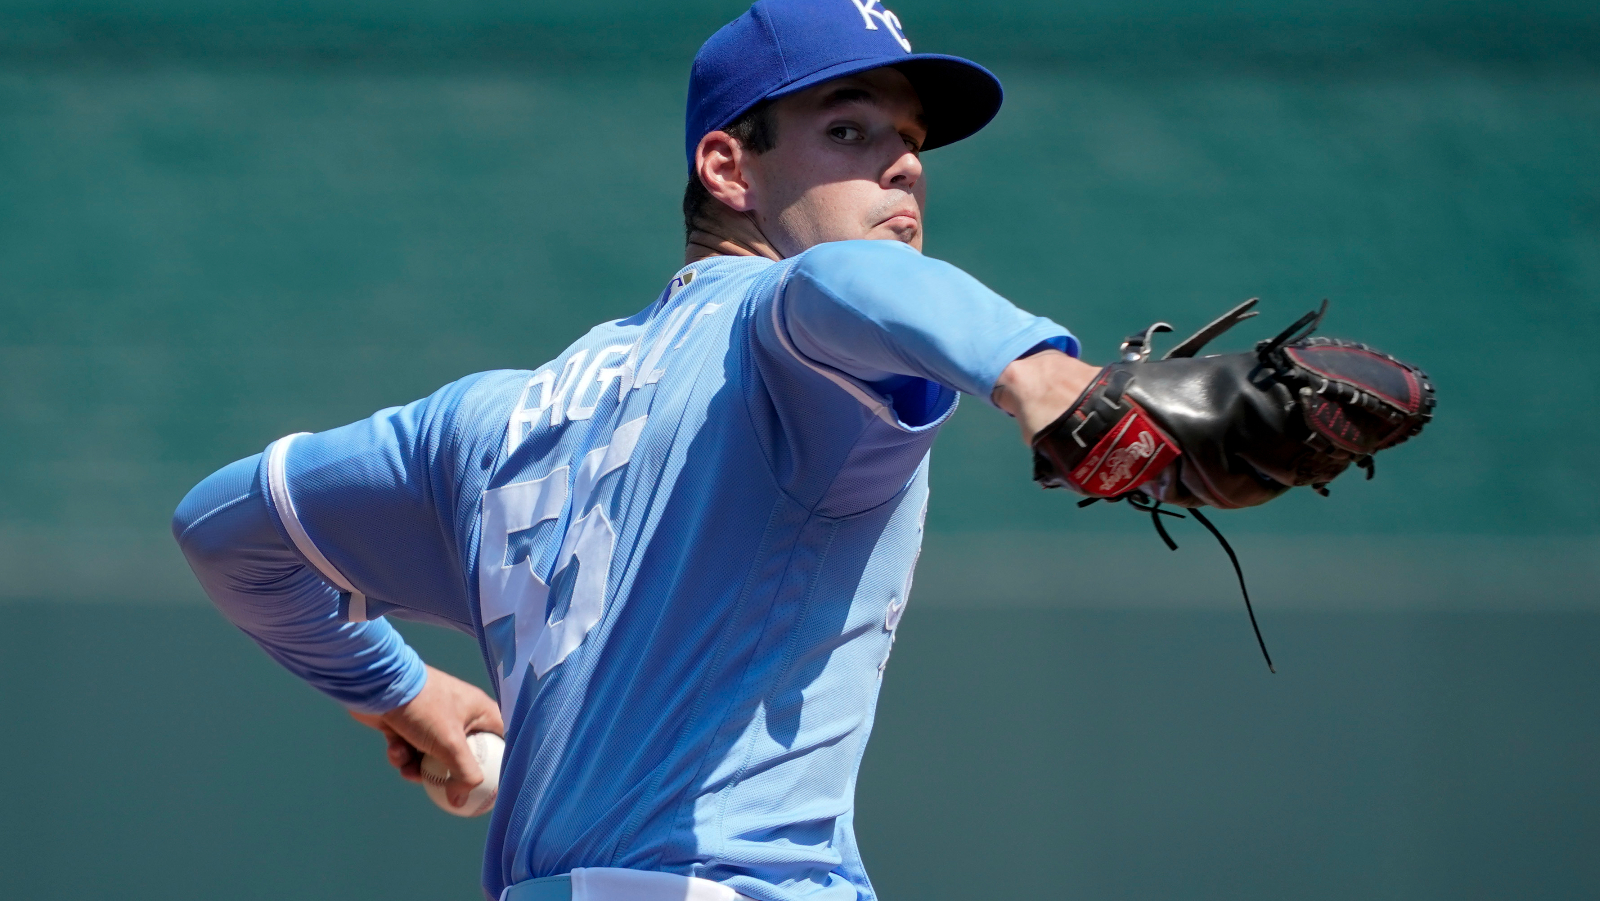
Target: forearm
(262,586)
(877,309)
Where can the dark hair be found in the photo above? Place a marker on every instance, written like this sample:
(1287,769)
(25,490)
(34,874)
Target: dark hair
(756,130)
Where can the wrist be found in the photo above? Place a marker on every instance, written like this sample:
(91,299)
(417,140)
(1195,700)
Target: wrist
(1035,390)
(408,677)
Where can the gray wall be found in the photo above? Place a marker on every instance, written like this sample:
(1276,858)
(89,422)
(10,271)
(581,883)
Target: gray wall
(218,226)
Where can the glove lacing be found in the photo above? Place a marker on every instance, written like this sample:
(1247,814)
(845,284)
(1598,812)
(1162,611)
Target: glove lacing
(1141,501)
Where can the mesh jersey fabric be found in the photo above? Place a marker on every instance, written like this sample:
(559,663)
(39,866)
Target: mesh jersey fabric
(684,546)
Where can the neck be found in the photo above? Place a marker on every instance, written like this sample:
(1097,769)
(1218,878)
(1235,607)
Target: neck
(733,235)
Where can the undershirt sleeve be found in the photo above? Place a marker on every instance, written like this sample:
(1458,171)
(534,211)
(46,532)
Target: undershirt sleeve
(883,313)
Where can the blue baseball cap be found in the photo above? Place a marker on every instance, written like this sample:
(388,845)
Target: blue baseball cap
(780,47)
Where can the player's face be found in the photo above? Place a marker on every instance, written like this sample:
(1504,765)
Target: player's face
(845,166)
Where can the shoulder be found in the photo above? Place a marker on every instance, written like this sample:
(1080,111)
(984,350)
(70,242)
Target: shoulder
(726,279)
(466,414)
(475,394)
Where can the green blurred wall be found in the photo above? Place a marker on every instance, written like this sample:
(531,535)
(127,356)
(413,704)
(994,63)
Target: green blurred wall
(223,223)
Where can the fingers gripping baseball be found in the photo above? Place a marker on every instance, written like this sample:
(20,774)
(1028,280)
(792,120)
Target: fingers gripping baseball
(437,721)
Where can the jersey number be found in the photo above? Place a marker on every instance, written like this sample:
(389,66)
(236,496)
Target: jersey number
(514,599)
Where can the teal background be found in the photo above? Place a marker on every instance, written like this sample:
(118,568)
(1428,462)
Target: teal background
(223,223)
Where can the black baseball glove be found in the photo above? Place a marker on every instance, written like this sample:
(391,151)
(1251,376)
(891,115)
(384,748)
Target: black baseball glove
(1230,430)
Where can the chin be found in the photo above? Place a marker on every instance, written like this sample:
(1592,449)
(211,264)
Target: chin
(912,236)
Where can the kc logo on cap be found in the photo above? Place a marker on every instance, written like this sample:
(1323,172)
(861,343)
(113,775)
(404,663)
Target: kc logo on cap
(872,9)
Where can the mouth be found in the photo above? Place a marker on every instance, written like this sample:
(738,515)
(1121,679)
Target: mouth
(901,221)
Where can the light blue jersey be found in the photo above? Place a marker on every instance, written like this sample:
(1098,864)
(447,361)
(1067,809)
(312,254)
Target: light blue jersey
(684,546)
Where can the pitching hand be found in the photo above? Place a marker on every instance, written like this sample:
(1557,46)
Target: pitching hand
(437,721)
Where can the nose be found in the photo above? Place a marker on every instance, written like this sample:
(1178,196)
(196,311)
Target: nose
(903,173)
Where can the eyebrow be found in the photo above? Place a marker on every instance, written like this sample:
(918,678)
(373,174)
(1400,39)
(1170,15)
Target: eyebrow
(846,96)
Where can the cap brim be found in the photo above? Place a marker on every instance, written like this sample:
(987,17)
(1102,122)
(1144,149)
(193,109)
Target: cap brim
(959,97)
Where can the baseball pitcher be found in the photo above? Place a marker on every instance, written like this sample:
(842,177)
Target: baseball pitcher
(684,545)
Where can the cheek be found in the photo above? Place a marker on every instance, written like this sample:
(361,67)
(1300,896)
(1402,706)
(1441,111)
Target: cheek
(853,200)
(838,211)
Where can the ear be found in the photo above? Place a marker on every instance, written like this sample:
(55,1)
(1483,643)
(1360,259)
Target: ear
(720,162)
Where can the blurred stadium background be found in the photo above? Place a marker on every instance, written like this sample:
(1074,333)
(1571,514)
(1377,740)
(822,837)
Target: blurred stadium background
(220,223)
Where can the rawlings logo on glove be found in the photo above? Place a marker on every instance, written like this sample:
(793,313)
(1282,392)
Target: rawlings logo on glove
(1128,455)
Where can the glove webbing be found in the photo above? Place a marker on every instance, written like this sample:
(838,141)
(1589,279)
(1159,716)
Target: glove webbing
(1140,501)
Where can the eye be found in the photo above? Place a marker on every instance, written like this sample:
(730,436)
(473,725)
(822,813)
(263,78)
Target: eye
(848,134)
(911,143)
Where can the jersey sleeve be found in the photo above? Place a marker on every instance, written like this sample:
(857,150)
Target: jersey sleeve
(376,506)
(886,315)
(263,586)
(305,546)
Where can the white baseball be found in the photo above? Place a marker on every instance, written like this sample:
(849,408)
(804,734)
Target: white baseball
(487,748)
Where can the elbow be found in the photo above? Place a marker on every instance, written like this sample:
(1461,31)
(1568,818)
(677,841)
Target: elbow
(190,510)
(229,486)
(202,547)
(188,525)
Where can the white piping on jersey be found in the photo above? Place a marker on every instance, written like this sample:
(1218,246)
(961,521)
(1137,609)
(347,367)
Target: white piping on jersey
(851,386)
(278,484)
